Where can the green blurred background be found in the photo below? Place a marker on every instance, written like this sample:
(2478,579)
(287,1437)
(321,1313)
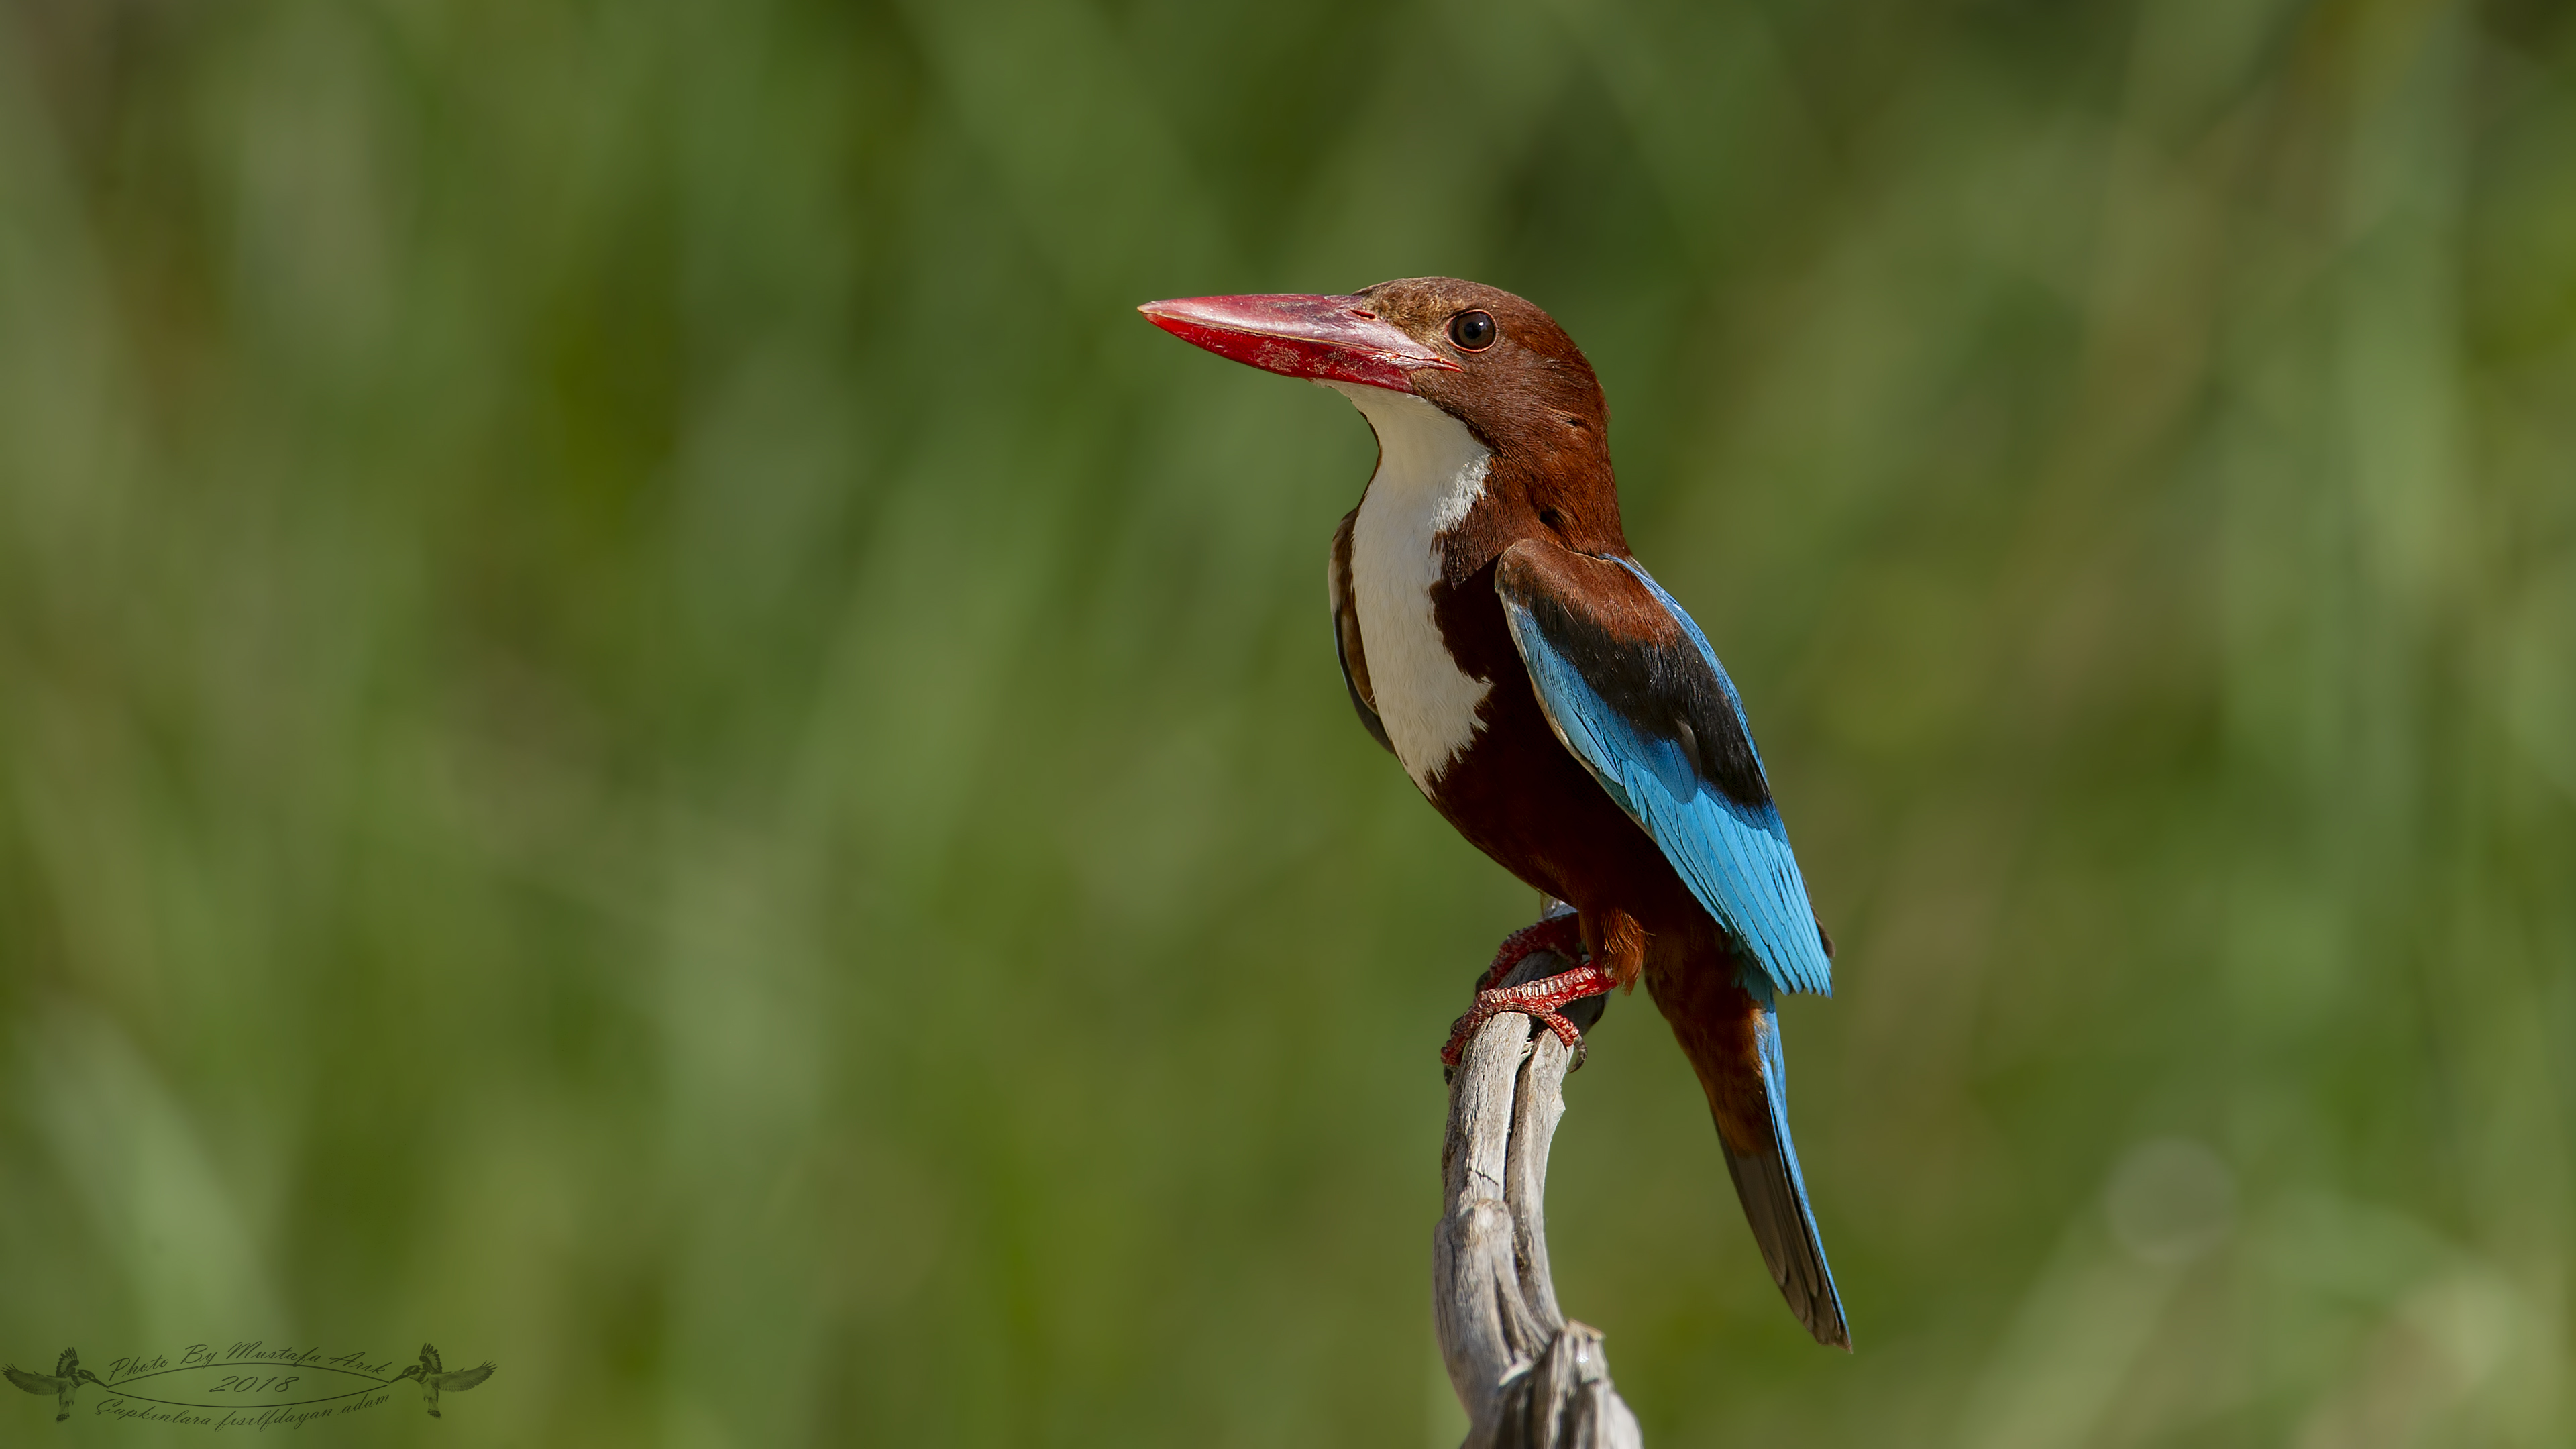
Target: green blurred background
(645,732)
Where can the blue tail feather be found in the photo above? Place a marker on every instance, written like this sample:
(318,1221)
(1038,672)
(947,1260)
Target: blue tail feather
(1775,1198)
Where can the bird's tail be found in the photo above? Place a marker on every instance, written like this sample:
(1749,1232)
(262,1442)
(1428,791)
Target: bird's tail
(1730,1032)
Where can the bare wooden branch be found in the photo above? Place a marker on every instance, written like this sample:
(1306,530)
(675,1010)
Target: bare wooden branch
(1528,1377)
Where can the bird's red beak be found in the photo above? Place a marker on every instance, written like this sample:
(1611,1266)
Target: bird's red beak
(1329,339)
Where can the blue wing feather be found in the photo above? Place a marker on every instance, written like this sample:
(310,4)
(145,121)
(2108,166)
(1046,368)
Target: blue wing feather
(1735,857)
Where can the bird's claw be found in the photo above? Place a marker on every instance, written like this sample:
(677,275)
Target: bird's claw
(1544,999)
(1561,934)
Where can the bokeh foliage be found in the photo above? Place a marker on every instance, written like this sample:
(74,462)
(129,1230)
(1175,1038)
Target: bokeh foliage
(643,731)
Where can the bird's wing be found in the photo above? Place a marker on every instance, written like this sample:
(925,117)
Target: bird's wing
(1346,632)
(32,1383)
(463,1379)
(429,1360)
(1631,686)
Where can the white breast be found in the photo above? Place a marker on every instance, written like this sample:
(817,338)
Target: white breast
(1430,471)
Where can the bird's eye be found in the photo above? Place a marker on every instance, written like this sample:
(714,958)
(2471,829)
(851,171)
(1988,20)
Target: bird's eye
(1473,331)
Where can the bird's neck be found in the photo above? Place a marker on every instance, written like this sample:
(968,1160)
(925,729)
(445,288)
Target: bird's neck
(1431,479)
(1431,472)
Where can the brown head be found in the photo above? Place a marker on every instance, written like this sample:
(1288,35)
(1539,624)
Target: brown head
(1492,360)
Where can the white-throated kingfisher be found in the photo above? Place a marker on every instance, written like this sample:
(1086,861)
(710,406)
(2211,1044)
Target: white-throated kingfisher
(1553,702)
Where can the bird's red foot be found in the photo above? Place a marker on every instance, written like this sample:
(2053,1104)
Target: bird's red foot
(1541,998)
(1561,934)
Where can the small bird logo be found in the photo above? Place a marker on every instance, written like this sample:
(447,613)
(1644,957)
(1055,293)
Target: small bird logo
(66,1379)
(432,1374)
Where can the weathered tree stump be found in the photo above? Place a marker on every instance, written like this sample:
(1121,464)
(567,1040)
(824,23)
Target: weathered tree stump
(1529,1377)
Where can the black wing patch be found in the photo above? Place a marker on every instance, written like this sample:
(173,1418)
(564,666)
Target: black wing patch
(1658,683)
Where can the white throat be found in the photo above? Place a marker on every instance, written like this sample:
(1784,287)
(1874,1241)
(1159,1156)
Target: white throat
(1430,472)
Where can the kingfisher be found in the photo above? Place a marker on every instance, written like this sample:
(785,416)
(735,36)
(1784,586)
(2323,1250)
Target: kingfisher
(62,1383)
(1554,703)
(435,1376)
